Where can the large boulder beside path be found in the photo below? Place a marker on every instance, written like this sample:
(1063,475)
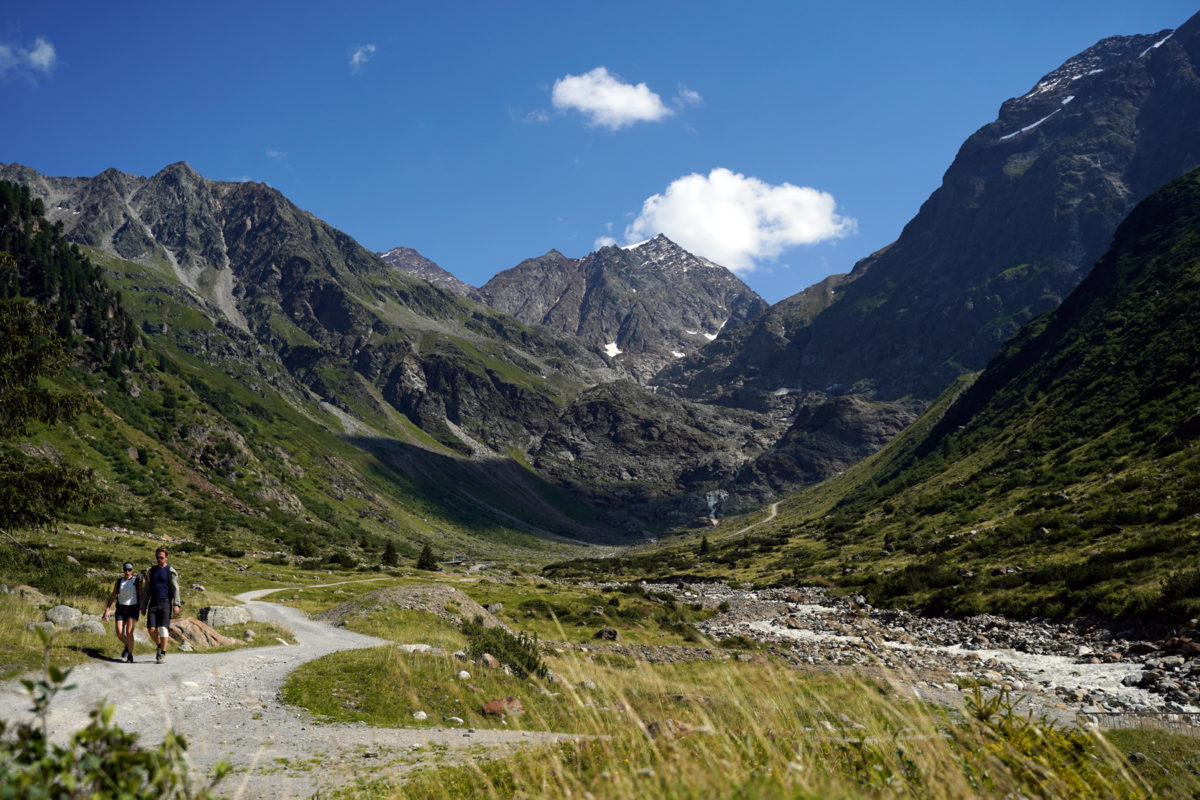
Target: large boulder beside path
(220,616)
(198,635)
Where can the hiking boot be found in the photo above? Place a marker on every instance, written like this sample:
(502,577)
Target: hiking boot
(125,654)
(129,656)
(158,657)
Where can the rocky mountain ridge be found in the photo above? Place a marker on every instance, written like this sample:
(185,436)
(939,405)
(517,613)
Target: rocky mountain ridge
(413,263)
(643,306)
(1029,203)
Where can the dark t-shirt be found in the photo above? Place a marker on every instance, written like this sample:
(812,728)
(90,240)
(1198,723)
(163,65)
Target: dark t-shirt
(159,579)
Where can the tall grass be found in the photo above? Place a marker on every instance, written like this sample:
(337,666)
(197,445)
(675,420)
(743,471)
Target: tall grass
(715,730)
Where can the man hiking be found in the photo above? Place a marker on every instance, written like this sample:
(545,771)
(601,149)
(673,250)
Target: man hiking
(127,592)
(160,600)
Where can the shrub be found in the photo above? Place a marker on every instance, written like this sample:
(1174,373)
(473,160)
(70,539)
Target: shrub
(100,760)
(520,653)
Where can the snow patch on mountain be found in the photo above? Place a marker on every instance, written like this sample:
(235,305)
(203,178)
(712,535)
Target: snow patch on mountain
(1030,127)
(1157,44)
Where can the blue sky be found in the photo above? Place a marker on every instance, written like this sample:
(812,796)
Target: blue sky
(783,139)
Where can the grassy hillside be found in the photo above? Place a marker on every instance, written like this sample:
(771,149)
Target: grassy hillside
(200,438)
(1064,481)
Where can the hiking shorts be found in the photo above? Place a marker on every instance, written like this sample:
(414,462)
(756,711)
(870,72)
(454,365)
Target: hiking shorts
(158,614)
(128,612)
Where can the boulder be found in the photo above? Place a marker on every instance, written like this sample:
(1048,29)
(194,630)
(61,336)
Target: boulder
(606,634)
(30,595)
(220,616)
(509,706)
(201,636)
(89,626)
(48,627)
(64,616)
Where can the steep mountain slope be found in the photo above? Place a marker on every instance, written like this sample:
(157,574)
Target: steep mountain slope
(1065,480)
(307,378)
(644,306)
(307,296)
(413,263)
(1029,203)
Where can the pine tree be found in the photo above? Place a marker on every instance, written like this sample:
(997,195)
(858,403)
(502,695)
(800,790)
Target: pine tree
(390,557)
(32,491)
(427,560)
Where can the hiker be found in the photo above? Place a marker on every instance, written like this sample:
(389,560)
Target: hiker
(160,600)
(127,592)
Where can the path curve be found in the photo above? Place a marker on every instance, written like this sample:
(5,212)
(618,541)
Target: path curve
(763,521)
(227,706)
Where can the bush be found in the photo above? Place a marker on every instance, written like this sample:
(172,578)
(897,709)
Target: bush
(520,653)
(100,760)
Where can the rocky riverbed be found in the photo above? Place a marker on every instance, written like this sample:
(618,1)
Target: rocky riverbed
(1066,671)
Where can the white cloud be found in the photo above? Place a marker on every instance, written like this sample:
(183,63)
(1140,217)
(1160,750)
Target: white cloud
(277,155)
(687,97)
(21,59)
(361,55)
(606,101)
(42,56)
(603,241)
(737,220)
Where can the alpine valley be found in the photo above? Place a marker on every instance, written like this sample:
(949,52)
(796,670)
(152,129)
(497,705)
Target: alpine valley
(971,419)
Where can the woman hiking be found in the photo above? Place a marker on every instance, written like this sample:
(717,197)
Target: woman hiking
(127,592)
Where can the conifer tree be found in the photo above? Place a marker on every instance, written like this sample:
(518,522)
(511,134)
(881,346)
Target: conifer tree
(427,560)
(32,491)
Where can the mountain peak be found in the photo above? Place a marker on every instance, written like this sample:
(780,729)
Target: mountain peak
(408,260)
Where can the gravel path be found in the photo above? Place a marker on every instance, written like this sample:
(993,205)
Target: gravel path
(227,706)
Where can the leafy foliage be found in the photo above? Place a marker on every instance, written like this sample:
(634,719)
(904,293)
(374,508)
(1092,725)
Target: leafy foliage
(100,760)
(520,653)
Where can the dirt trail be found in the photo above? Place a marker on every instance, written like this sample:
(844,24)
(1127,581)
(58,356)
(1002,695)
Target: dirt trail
(226,705)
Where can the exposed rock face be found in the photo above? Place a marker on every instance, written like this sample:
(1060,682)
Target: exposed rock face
(643,306)
(824,439)
(629,449)
(413,263)
(1029,204)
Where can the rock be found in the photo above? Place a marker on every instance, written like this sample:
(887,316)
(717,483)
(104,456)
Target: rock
(199,635)
(509,706)
(89,626)
(490,661)
(221,616)
(248,635)
(415,648)
(606,634)
(420,716)
(64,616)
(494,608)
(587,685)
(463,675)
(453,720)
(1137,758)
(198,588)
(30,595)
(186,647)
(48,627)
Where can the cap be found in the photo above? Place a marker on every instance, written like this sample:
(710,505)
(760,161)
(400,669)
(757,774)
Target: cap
(128,565)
